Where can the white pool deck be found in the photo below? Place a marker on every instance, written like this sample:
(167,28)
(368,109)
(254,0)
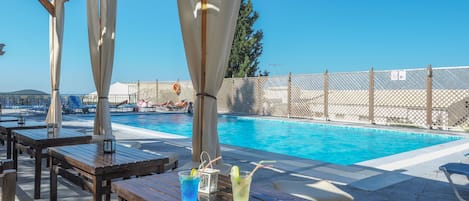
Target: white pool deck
(407,176)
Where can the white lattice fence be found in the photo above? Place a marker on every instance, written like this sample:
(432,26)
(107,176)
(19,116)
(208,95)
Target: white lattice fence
(400,101)
(450,108)
(307,96)
(398,96)
(348,96)
(275,96)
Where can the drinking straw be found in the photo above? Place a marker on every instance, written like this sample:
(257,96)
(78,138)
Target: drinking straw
(259,165)
(209,163)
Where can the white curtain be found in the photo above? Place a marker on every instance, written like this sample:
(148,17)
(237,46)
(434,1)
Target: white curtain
(101,29)
(208,28)
(56,25)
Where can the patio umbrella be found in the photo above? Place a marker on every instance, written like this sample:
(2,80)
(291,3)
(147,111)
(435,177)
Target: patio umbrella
(208,28)
(101,29)
(54,115)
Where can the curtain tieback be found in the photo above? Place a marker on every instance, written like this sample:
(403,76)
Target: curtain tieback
(55,89)
(102,97)
(206,94)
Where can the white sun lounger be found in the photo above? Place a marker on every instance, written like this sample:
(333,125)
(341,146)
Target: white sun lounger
(313,190)
(455,168)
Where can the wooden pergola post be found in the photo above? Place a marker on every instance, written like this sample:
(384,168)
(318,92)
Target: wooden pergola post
(429,106)
(259,96)
(48,6)
(371,97)
(233,91)
(326,95)
(138,90)
(156,91)
(289,95)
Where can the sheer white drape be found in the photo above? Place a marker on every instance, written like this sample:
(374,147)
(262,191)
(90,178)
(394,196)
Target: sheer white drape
(101,29)
(208,28)
(56,26)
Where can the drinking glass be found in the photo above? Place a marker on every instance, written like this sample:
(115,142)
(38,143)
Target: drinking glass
(241,186)
(189,186)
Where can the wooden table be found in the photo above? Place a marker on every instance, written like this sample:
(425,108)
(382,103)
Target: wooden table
(35,140)
(6,129)
(7,119)
(95,168)
(166,187)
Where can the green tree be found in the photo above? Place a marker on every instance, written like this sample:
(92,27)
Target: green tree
(247,45)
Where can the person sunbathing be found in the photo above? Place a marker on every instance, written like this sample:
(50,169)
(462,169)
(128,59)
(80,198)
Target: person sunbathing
(181,104)
(143,103)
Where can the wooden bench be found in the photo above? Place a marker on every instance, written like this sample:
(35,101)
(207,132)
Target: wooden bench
(166,187)
(7,181)
(87,166)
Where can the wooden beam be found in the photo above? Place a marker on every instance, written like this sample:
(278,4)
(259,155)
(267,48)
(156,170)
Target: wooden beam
(48,6)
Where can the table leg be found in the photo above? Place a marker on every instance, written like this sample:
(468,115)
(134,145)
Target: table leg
(37,173)
(108,190)
(53,179)
(15,155)
(8,144)
(97,188)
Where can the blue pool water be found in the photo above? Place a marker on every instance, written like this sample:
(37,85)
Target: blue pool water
(329,143)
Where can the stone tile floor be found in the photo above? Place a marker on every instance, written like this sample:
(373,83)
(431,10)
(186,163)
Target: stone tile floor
(417,182)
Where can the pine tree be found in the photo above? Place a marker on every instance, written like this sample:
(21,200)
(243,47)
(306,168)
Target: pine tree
(247,45)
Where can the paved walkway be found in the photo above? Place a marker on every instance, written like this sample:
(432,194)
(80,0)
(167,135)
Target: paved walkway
(413,181)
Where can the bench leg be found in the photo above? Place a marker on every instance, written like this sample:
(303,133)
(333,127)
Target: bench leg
(53,180)
(38,172)
(108,190)
(97,188)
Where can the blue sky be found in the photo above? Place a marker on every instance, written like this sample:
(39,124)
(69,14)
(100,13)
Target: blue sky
(300,36)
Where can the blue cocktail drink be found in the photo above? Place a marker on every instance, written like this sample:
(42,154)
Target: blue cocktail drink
(189,185)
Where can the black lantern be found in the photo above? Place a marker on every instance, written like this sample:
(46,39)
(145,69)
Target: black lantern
(52,129)
(109,145)
(21,120)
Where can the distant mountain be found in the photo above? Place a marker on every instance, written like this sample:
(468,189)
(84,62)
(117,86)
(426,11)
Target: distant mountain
(25,92)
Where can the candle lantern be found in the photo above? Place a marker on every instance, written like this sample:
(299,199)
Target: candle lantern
(208,180)
(21,120)
(52,129)
(109,145)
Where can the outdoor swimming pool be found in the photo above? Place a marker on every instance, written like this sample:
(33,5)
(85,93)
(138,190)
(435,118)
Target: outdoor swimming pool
(335,144)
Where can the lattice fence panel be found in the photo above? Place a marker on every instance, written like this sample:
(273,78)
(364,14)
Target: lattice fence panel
(275,96)
(450,106)
(224,96)
(244,100)
(133,91)
(165,92)
(307,96)
(348,96)
(148,92)
(400,97)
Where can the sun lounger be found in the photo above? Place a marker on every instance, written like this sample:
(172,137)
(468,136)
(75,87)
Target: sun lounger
(455,168)
(74,104)
(313,190)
